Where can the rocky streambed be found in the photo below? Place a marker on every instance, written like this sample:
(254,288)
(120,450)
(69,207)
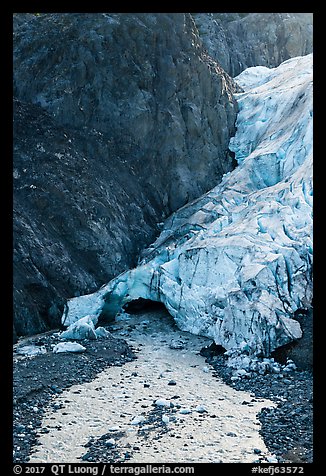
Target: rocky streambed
(152,393)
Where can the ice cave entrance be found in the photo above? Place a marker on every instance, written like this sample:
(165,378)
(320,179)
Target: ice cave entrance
(137,306)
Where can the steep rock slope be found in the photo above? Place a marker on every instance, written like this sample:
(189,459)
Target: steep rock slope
(72,228)
(236,264)
(120,120)
(143,78)
(240,40)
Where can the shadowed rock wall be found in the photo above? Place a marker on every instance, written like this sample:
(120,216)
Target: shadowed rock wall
(240,40)
(120,119)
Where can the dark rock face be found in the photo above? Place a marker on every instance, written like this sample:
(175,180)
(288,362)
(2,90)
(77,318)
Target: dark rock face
(301,351)
(80,215)
(240,40)
(138,78)
(120,120)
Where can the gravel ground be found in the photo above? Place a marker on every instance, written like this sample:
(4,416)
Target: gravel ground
(104,449)
(205,419)
(38,380)
(286,429)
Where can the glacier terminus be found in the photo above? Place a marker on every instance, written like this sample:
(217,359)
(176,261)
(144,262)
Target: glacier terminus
(236,264)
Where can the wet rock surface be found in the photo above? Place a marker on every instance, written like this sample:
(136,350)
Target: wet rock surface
(120,120)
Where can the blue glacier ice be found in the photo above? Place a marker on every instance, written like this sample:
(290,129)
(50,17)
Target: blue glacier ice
(236,263)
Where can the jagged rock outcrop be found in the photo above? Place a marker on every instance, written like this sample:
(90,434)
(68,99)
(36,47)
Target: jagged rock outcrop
(240,40)
(120,119)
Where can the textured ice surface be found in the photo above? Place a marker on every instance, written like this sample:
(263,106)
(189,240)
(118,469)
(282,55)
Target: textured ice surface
(31,350)
(68,347)
(236,263)
(84,328)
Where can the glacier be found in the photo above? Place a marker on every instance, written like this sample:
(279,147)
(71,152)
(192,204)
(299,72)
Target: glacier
(236,264)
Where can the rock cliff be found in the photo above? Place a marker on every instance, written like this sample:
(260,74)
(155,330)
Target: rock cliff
(120,119)
(240,40)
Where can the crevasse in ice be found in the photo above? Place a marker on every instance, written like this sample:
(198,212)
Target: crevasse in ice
(236,263)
